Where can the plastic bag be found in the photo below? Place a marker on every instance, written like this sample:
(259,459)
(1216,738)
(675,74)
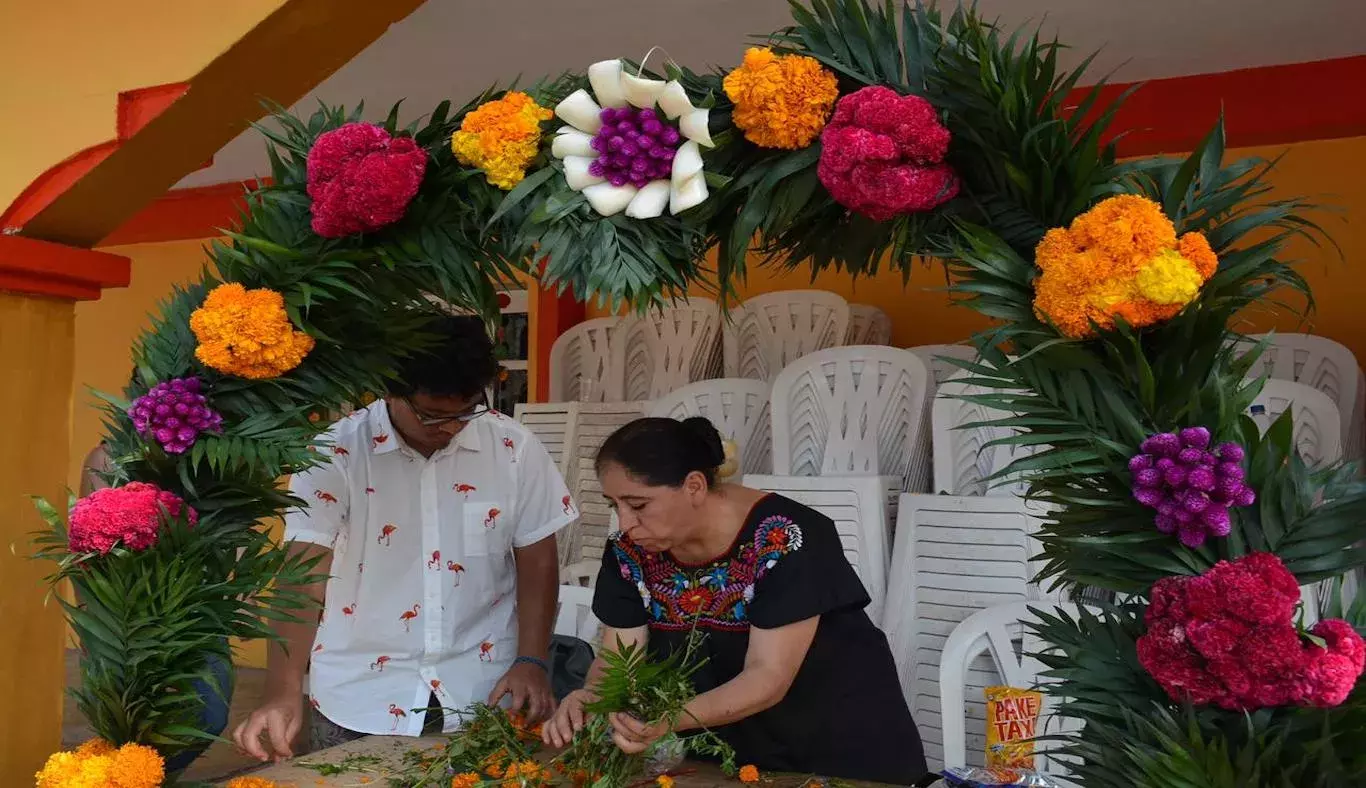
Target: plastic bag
(665,755)
(974,777)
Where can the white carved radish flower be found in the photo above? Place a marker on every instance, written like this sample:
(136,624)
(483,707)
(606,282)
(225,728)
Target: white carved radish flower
(622,149)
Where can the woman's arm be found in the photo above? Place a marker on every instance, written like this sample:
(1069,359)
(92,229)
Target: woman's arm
(771,664)
(96,463)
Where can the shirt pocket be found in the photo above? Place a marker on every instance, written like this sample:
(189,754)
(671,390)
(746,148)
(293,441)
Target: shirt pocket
(483,521)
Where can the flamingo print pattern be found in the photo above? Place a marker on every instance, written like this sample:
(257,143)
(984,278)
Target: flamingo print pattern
(464,489)
(435,561)
(340,451)
(407,617)
(457,570)
(379,663)
(568,504)
(349,610)
(492,518)
(398,713)
(486,651)
(386,534)
(325,497)
(380,440)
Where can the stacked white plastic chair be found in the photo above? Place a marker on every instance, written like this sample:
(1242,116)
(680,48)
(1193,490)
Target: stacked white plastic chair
(769,331)
(953,556)
(963,461)
(585,540)
(587,363)
(669,347)
(1325,365)
(868,325)
(553,424)
(853,411)
(737,407)
(1318,425)
(994,633)
(575,617)
(859,507)
(935,357)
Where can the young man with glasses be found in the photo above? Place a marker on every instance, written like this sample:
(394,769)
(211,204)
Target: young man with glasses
(436,519)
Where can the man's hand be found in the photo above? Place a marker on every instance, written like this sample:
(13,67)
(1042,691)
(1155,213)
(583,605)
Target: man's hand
(279,719)
(632,735)
(529,686)
(559,730)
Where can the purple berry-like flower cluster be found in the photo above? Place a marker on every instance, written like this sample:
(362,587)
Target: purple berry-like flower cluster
(1191,486)
(174,413)
(634,146)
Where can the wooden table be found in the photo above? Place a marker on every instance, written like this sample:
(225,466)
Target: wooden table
(391,749)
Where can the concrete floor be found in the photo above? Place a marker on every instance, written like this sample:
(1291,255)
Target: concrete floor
(220,761)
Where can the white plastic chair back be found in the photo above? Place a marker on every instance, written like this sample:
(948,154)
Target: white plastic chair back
(963,462)
(770,331)
(859,507)
(575,617)
(1318,426)
(868,325)
(553,423)
(994,633)
(737,407)
(587,537)
(934,357)
(587,363)
(852,411)
(669,347)
(953,555)
(1325,365)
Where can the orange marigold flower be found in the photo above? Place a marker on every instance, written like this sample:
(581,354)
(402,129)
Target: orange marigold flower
(749,774)
(466,780)
(501,137)
(251,782)
(62,769)
(247,333)
(781,101)
(1121,259)
(664,781)
(137,766)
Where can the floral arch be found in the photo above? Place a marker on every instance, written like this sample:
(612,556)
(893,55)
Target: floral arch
(863,135)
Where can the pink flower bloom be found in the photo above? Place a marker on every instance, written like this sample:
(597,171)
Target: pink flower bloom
(361,179)
(130,515)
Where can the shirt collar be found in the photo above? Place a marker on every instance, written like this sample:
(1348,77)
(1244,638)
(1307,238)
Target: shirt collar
(384,438)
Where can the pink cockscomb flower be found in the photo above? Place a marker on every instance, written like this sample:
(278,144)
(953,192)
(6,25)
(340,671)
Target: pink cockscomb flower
(361,179)
(130,515)
(882,155)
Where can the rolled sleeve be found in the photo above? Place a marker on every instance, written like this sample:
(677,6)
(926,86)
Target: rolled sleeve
(544,505)
(324,488)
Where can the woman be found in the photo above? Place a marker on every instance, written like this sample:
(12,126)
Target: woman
(796,677)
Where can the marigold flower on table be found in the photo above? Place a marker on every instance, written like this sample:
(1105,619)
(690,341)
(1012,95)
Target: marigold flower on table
(749,774)
(1121,259)
(97,764)
(247,333)
(252,782)
(465,780)
(501,137)
(664,781)
(781,101)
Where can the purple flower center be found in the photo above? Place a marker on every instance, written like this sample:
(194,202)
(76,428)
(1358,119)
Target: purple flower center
(634,146)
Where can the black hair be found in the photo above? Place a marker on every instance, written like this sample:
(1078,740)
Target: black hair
(662,452)
(461,364)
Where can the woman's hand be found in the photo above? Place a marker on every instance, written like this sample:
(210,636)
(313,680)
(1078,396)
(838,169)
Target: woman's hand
(559,730)
(632,735)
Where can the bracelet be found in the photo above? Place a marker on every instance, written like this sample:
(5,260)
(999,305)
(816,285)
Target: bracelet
(537,661)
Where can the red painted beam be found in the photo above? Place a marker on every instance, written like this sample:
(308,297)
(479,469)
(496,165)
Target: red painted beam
(1272,105)
(43,268)
(184,214)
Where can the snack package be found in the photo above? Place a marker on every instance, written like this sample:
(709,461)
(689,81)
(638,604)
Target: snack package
(973,777)
(1012,717)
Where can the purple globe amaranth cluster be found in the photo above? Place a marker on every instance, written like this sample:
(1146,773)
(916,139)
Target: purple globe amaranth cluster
(1190,485)
(634,146)
(174,413)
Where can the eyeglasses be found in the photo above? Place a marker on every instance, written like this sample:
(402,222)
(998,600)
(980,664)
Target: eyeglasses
(427,420)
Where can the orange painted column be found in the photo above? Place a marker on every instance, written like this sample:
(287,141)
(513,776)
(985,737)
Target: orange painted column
(39,285)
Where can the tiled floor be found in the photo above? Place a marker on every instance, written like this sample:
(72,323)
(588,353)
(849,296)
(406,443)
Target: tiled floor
(219,761)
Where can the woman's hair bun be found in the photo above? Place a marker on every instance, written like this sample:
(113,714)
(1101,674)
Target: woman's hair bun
(705,430)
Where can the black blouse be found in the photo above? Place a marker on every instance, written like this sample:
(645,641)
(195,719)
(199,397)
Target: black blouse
(845,715)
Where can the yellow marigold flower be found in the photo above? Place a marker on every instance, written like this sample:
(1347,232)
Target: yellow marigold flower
(247,333)
(501,137)
(1121,259)
(61,770)
(781,101)
(251,782)
(137,766)
(466,780)
(94,746)
(96,772)
(1169,279)
(664,781)
(749,774)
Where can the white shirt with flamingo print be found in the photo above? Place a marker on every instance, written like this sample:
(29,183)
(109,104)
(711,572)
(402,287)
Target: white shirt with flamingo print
(422,597)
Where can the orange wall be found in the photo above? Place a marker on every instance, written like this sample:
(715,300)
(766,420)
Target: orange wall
(66,61)
(1329,172)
